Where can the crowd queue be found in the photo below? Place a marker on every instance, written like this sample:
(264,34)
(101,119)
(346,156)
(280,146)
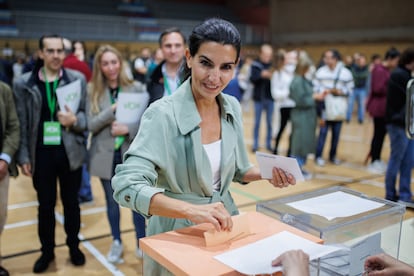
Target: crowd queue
(189,98)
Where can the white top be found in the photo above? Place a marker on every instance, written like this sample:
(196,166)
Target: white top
(213,151)
(280,84)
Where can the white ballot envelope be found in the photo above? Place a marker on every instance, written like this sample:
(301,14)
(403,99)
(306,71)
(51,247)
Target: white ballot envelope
(69,95)
(268,161)
(130,107)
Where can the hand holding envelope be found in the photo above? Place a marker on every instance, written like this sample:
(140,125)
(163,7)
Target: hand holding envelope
(269,161)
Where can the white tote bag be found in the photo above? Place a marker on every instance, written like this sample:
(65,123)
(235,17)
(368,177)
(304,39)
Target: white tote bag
(335,107)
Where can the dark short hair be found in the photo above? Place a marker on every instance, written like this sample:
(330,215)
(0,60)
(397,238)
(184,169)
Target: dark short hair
(42,38)
(335,54)
(392,53)
(406,57)
(216,30)
(170,31)
(375,56)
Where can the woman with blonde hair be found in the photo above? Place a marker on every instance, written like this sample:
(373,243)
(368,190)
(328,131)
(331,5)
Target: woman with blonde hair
(110,137)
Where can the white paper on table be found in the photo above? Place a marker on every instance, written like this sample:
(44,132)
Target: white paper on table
(268,161)
(130,107)
(334,205)
(256,258)
(69,95)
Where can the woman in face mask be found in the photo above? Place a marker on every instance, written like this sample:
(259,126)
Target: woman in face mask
(281,79)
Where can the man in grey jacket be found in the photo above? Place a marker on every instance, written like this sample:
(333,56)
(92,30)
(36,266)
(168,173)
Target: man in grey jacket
(52,146)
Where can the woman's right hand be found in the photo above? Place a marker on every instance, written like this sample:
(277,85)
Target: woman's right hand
(214,213)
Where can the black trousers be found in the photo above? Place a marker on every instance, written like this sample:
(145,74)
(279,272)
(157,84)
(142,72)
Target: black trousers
(284,119)
(378,138)
(53,164)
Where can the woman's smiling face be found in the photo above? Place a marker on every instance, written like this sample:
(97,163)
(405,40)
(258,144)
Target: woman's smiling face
(212,68)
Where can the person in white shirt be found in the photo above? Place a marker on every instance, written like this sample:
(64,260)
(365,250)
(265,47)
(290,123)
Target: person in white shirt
(333,82)
(280,82)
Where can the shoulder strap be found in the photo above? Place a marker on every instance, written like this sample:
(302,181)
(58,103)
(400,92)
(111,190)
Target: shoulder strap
(337,76)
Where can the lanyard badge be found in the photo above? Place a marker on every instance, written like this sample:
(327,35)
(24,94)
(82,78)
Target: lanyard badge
(51,129)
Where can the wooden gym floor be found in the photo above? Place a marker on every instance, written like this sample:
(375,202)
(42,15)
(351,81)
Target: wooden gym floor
(20,245)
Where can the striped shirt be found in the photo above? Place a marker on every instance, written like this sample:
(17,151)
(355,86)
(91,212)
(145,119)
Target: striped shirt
(325,79)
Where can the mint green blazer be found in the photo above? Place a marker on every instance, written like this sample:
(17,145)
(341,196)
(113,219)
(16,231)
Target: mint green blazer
(167,156)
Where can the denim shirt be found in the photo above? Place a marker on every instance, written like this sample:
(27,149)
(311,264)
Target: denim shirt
(167,156)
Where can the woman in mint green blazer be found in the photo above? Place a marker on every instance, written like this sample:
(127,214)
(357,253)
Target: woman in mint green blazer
(190,145)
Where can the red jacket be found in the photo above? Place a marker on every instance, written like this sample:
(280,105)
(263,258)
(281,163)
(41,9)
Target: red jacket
(72,62)
(377,99)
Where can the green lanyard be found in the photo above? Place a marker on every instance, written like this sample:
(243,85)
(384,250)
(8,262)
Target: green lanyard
(119,140)
(167,86)
(51,101)
(113,96)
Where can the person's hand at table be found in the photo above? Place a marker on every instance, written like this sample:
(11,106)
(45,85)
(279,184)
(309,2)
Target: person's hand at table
(293,262)
(384,265)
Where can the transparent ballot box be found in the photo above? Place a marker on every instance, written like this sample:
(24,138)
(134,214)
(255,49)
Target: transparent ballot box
(362,224)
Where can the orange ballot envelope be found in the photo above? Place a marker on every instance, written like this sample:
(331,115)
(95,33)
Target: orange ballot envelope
(192,250)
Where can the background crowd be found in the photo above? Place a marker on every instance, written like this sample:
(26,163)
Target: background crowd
(312,96)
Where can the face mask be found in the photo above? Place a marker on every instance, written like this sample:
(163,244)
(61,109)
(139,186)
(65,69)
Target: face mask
(290,68)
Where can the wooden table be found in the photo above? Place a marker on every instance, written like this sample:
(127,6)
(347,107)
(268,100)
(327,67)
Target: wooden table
(183,251)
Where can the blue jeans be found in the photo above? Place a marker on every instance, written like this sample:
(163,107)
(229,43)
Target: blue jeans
(259,106)
(323,131)
(359,95)
(85,191)
(112,208)
(401,161)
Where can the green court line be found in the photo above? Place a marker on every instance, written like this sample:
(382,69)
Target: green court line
(243,193)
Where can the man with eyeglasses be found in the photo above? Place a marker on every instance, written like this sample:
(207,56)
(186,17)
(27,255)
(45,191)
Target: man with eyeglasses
(52,146)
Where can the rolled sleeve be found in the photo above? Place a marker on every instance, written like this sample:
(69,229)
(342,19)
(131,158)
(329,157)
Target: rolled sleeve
(137,201)
(134,184)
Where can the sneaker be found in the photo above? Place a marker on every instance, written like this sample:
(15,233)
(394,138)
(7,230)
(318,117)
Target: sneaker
(3,271)
(115,253)
(42,263)
(139,253)
(320,162)
(408,204)
(307,175)
(383,165)
(377,167)
(335,161)
(77,258)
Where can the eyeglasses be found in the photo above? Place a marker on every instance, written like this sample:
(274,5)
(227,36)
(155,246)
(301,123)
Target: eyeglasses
(53,51)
